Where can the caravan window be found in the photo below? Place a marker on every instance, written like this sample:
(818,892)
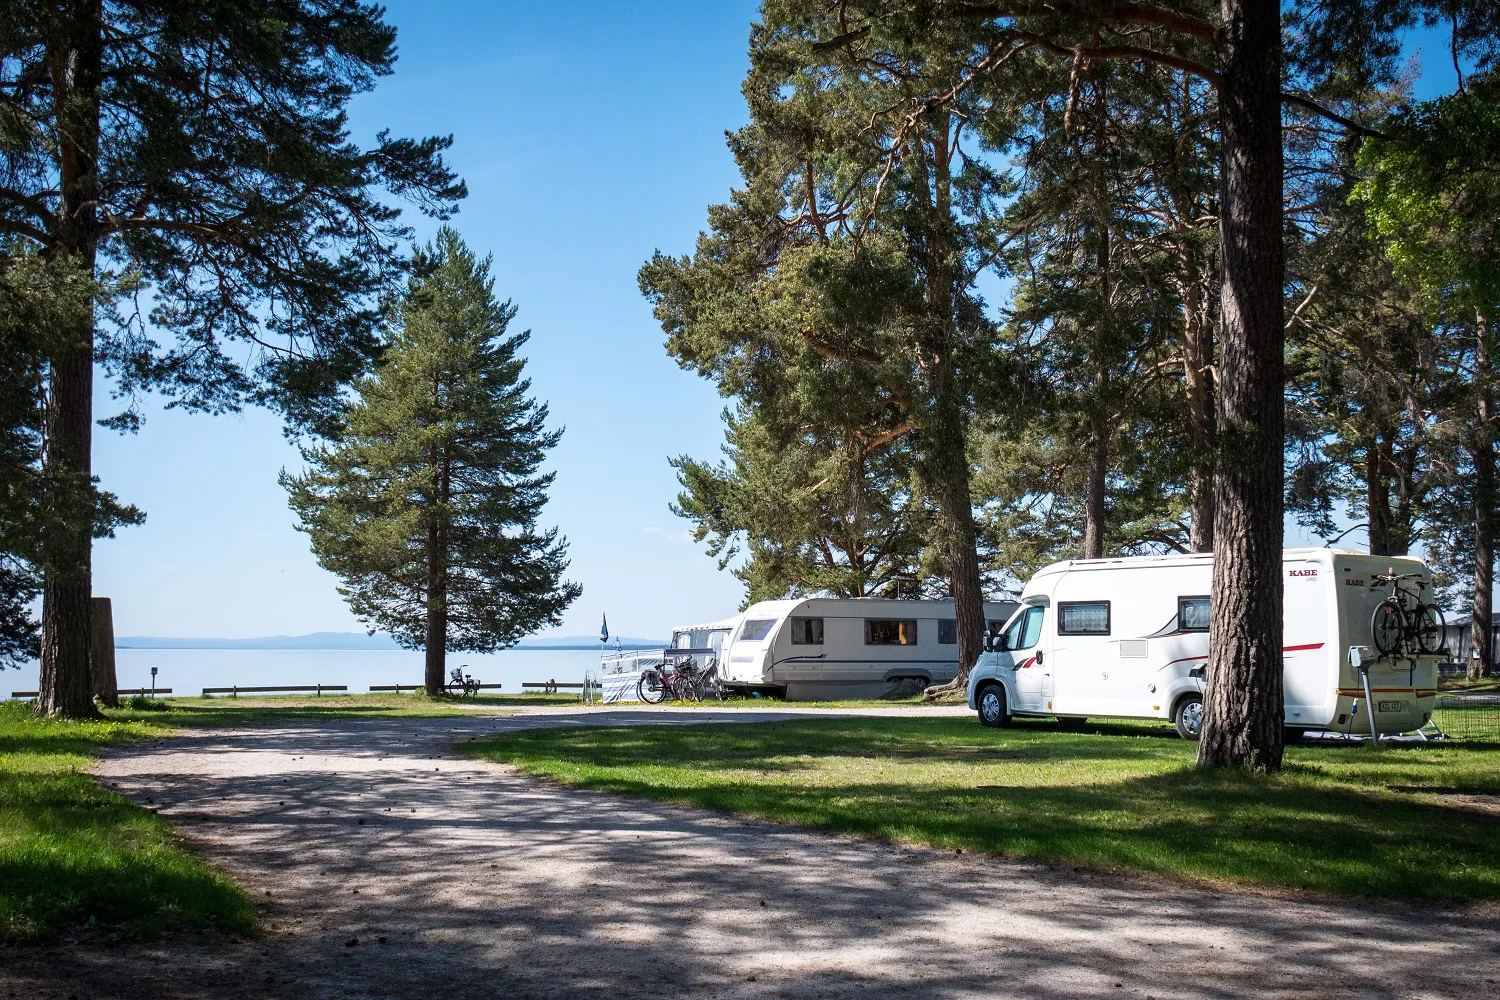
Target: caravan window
(1025,630)
(1083,618)
(947,632)
(756,629)
(890,632)
(807,631)
(1192,614)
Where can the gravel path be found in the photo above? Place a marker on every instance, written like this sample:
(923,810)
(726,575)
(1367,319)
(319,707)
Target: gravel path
(389,866)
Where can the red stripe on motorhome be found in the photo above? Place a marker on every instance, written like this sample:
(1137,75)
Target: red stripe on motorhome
(1284,649)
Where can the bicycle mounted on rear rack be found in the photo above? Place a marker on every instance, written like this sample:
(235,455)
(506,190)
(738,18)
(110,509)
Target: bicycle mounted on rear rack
(1402,624)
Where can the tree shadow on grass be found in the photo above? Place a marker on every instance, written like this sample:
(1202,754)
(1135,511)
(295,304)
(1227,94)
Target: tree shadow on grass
(73,854)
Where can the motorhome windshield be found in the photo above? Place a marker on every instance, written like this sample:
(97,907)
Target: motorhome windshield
(1025,629)
(756,629)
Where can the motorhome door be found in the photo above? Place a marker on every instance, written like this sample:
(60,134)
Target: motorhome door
(1033,683)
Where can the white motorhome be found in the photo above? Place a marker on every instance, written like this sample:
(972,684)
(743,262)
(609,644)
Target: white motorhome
(1128,638)
(620,672)
(825,647)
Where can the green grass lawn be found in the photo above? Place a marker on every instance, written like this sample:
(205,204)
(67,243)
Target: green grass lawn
(1388,822)
(75,855)
(249,711)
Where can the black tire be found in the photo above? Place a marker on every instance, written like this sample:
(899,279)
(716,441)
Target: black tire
(1388,627)
(993,711)
(1187,716)
(1290,735)
(1428,623)
(650,688)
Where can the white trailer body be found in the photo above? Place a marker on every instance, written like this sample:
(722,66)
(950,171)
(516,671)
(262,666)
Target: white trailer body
(827,647)
(1128,638)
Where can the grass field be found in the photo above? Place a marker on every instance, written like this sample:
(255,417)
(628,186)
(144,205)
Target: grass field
(1398,821)
(74,854)
(249,711)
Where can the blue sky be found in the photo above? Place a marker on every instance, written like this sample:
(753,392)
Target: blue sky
(590,135)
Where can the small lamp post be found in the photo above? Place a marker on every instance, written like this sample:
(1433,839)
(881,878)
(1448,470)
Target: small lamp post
(153,682)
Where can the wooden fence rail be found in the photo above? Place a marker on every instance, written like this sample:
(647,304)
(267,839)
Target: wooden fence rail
(542,684)
(122,692)
(234,692)
(398,688)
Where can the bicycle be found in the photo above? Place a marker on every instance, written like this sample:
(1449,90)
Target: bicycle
(683,683)
(469,685)
(1402,624)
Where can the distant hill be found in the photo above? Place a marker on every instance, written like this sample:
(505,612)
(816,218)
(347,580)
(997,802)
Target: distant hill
(357,640)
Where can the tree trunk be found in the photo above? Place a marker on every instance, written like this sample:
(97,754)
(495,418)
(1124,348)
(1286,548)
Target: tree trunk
(945,470)
(944,466)
(1094,518)
(67,628)
(1242,709)
(1484,512)
(102,675)
(1197,363)
(436,646)
(1378,496)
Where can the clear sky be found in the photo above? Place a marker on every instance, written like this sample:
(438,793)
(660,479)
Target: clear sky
(590,134)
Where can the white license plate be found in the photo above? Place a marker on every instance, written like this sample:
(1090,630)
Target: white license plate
(1392,706)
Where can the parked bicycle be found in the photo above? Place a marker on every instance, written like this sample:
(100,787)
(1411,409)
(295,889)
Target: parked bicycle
(681,680)
(468,686)
(1402,624)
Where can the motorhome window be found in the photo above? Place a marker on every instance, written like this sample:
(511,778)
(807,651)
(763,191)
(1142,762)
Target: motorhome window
(1083,618)
(947,632)
(890,632)
(756,629)
(1025,630)
(807,631)
(1192,614)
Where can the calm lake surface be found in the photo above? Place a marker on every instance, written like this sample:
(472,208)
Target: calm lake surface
(189,671)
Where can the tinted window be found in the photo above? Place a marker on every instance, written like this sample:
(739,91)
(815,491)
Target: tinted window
(807,631)
(947,632)
(1192,614)
(756,629)
(890,632)
(1025,630)
(1083,618)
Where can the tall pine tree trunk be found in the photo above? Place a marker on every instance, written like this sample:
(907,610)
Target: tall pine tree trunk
(436,646)
(944,429)
(67,619)
(1242,710)
(1197,365)
(437,576)
(1094,516)
(1480,622)
(1378,495)
(1098,484)
(948,474)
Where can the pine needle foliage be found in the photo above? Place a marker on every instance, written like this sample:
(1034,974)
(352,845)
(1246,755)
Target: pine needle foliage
(427,506)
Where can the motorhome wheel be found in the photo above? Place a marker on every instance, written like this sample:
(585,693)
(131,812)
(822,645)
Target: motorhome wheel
(992,708)
(1188,717)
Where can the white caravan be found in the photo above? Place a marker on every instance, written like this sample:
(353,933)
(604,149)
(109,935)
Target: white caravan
(620,673)
(826,647)
(1128,638)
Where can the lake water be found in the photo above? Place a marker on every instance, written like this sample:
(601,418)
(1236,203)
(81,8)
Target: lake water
(189,671)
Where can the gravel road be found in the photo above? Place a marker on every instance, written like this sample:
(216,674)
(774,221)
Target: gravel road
(389,866)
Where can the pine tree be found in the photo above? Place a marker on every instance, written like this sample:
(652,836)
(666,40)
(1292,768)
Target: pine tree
(427,505)
(204,147)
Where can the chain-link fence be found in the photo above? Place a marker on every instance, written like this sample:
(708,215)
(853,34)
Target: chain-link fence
(1469,717)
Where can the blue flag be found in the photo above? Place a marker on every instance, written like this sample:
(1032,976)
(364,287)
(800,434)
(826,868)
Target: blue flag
(604,628)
